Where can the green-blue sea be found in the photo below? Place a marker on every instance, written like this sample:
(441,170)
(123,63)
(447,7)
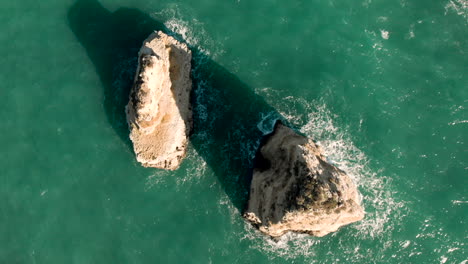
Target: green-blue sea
(381,85)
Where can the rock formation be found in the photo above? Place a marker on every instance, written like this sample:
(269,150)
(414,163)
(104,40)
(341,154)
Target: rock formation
(159,113)
(294,189)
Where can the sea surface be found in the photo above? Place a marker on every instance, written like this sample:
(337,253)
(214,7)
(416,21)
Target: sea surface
(381,85)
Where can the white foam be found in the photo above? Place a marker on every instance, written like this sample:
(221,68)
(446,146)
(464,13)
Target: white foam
(405,244)
(458,6)
(443,259)
(195,167)
(384,34)
(382,19)
(157,178)
(182,28)
(190,29)
(456,122)
(410,34)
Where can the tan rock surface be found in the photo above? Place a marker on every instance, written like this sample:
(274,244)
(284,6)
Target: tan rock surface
(159,113)
(294,188)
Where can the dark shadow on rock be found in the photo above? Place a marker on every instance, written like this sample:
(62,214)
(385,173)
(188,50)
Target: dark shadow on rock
(226,111)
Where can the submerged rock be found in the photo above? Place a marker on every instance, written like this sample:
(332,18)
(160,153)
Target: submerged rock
(159,113)
(294,189)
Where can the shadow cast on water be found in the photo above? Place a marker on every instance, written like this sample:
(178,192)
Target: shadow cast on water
(226,111)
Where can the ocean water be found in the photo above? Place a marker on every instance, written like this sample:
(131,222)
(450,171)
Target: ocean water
(381,85)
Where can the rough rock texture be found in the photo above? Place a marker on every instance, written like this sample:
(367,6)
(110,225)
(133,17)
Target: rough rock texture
(159,113)
(294,188)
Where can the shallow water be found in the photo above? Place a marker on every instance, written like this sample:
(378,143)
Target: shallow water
(380,85)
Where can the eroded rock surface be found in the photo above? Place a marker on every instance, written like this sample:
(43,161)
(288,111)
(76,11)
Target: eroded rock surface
(159,113)
(294,188)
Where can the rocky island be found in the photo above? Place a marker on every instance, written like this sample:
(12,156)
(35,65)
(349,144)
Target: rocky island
(159,113)
(295,189)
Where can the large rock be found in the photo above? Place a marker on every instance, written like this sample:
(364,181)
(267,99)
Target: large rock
(295,189)
(159,113)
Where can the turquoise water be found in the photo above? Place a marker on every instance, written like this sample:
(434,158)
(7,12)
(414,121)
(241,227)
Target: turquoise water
(381,85)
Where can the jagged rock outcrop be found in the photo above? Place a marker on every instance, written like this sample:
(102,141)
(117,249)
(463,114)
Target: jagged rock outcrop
(159,113)
(294,189)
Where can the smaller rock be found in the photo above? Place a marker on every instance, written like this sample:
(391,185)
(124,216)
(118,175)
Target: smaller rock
(159,113)
(295,189)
